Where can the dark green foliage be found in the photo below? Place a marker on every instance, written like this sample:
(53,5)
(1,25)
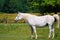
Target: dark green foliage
(9,6)
(1,4)
(31,6)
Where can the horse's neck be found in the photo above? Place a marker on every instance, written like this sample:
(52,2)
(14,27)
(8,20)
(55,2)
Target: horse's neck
(27,15)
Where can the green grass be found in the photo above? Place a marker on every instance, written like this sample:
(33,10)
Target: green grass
(22,31)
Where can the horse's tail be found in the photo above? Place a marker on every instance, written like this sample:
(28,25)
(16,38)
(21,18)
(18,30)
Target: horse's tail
(56,16)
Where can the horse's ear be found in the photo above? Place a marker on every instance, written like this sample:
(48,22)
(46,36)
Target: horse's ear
(19,12)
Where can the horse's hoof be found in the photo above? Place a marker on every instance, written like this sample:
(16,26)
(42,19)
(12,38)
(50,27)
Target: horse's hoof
(32,36)
(49,37)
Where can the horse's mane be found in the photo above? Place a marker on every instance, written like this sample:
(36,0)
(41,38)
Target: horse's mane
(26,14)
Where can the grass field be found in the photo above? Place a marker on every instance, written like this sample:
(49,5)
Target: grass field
(22,31)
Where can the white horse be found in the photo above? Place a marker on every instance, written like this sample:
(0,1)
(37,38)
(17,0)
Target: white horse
(40,21)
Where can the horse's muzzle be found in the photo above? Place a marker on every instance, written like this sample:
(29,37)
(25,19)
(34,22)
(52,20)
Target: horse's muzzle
(15,21)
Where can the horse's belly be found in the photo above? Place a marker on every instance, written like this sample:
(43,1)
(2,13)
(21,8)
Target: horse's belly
(41,23)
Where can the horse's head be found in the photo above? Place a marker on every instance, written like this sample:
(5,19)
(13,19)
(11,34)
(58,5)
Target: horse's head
(19,16)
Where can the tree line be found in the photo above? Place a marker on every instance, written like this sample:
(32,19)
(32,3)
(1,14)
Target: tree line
(31,6)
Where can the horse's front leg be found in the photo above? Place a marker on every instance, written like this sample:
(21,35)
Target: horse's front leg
(34,30)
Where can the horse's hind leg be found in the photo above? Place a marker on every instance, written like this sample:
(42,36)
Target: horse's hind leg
(51,31)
